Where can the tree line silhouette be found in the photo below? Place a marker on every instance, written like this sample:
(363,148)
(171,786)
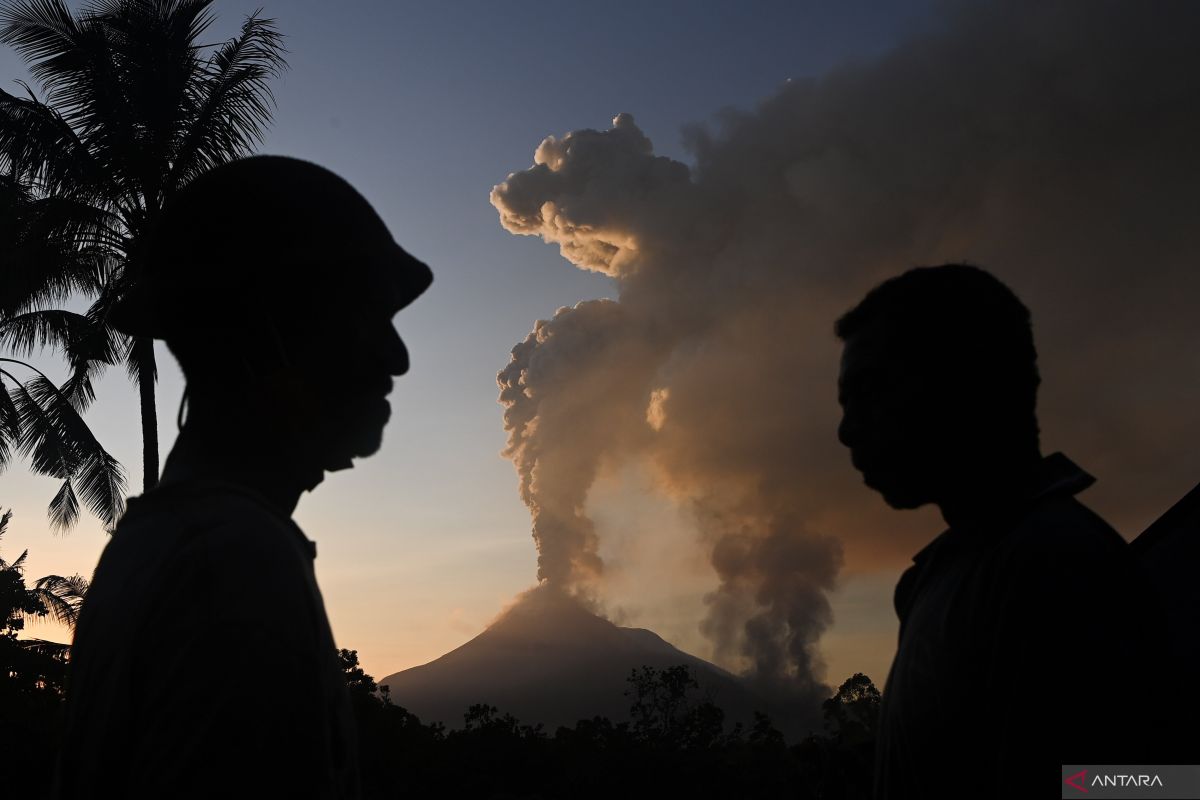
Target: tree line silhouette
(675,744)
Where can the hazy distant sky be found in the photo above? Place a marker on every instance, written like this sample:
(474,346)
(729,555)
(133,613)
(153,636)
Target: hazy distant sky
(424,107)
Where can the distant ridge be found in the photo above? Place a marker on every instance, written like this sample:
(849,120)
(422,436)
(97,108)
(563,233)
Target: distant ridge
(548,659)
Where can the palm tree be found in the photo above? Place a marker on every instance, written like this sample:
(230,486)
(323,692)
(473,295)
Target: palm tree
(133,109)
(44,265)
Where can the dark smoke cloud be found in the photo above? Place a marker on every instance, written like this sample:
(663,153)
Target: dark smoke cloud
(1052,143)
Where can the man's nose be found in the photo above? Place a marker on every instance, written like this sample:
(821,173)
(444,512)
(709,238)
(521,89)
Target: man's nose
(846,430)
(394,354)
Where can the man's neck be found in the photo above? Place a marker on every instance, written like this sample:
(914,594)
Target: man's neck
(253,456)
(987,496)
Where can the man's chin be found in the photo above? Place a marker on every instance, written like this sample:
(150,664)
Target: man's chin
(339,464)
(900,498)
(362,441)
(361,446)
(902,502)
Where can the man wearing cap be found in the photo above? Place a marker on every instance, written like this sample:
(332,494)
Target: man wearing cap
(203,663)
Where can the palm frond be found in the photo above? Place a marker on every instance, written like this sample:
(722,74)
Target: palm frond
(139,360)
(40,30)
(10,432)
(59,444)
(64,508)
(39,146)
(43,438)
(88,343)
(15,195)
(41,276)
(102,484)
(62,596)
(96,347)
(31,266)
(4,520)
(78,224)
(52,248)
(233,100)
(92,345)
(26,333)
(70,586)
(100,476)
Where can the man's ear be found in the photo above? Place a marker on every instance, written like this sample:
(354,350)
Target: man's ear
(263,352)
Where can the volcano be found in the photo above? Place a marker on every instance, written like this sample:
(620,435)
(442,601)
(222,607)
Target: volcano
(550,660)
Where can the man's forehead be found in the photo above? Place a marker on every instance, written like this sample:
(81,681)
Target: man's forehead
(868,350)
(874,364)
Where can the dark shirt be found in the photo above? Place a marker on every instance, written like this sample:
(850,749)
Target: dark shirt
(203,664)
(1023,643)
(1169,551)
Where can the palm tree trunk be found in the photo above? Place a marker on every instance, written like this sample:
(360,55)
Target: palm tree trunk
(147,374)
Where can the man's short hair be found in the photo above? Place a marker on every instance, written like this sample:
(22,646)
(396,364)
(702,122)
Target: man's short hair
(958,325)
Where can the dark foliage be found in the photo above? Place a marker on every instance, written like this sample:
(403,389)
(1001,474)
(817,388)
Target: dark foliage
(32,672)
(676,745)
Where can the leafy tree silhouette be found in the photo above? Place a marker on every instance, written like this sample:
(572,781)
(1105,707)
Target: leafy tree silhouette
(134,108)
(667,711)
(852,714)
(32,671)
(660,700)
(841,764)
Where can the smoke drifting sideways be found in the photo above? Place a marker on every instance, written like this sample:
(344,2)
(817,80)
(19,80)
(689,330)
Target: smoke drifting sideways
(1052,143)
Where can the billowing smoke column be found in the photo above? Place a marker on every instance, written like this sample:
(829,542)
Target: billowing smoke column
(576,378)
(1055,144)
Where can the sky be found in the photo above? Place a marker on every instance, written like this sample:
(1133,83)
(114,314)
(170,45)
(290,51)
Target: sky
(426,107)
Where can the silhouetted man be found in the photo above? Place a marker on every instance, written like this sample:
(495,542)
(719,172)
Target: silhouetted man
(203,663)
(1024,633)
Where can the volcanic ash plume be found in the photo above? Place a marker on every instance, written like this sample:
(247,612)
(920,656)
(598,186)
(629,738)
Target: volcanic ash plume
(1055,146)
(575,379)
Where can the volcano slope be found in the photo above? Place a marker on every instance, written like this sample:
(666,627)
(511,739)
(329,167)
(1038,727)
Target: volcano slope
(547,659)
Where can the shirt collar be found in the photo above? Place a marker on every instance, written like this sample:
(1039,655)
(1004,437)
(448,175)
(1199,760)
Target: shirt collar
(1056,475)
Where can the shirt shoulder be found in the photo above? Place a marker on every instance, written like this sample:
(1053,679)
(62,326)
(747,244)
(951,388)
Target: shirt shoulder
(183,510)
(204,543)
(202,515)
(1057,524)
(1062,534)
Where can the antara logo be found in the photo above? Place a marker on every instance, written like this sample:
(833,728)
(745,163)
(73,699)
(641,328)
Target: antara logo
(1080,776)
(1079,780)
(1126,780)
